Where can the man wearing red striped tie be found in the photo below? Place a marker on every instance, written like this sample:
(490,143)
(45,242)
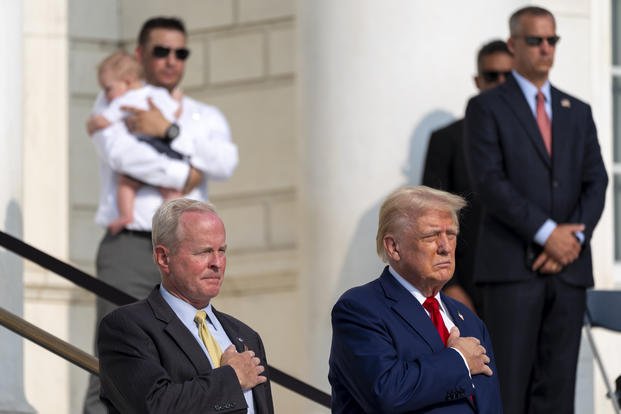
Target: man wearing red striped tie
(400,345)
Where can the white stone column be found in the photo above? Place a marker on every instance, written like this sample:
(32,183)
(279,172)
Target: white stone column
(375,78)
(47,302)
(12,398)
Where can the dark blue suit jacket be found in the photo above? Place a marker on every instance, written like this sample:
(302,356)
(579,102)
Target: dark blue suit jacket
(521,186)
(387,356)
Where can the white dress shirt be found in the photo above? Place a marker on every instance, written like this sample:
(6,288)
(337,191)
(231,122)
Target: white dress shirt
(204,140)
(136,98)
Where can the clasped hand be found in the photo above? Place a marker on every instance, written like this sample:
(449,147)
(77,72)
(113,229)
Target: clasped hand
(472,350)
(246,365)
(561,248)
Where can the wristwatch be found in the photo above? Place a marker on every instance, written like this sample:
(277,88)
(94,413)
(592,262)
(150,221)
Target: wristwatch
(172,132)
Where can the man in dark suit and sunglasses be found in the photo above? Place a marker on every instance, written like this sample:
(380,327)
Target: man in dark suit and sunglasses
(445,169)
(535,162)
(200,134)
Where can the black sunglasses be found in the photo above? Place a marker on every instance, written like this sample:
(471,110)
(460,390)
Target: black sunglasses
(538,40)
(163,52)
(492,75)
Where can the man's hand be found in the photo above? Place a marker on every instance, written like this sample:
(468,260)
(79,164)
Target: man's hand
(95,123)
(472,350)
(246,366)
(562,244)
(546,264)
(150,122)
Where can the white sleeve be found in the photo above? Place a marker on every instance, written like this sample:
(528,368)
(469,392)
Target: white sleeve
(101,103)
(215,153)
(127,155)
(135,98)
(164,102)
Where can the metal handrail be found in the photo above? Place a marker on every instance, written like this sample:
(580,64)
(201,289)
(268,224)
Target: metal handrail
(114,295)
(48,341)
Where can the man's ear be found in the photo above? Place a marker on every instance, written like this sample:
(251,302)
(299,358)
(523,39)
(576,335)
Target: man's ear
(511,45)
(477,81)
(391,247)
(139,53)
(160,255)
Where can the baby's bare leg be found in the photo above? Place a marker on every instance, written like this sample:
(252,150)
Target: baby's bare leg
(125,196)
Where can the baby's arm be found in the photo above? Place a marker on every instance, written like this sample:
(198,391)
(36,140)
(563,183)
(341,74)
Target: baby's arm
(169,193)
(95,123)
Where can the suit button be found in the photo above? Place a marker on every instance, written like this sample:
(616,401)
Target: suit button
(555,184)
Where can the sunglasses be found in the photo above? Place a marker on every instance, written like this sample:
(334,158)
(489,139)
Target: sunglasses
(538,40)
(492,75)
(163,52)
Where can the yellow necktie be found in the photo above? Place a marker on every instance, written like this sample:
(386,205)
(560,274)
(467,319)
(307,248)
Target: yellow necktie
(215,353)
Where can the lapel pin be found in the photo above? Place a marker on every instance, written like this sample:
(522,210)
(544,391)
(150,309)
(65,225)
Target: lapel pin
(565,103)
(460,315)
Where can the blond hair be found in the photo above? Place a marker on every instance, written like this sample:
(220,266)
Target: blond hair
(122,66)
(403,206)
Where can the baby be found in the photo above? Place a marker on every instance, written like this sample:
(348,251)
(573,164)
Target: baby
(121,79)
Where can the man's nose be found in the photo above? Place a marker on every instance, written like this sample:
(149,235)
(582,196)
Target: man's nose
(217,260)
(444,244)
(171,59)
(546,47)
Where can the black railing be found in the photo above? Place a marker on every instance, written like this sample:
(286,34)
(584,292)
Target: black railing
(118,297)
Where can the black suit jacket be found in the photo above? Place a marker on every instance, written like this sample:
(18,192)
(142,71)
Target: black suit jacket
(150,363)
(445,169)
(521,186)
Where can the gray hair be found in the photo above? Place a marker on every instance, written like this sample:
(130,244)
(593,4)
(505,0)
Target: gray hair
(165,222)
(514,20)
(403,206)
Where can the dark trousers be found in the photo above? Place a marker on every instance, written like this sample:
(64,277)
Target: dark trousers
(124,261)
(535,328)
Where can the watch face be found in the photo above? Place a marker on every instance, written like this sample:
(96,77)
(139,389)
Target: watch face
(172,132)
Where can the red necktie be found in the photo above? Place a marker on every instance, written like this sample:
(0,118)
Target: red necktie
(543,121)
(433,307)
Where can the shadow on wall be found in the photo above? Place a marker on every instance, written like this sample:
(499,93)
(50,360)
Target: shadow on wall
(11,265)
(362,263)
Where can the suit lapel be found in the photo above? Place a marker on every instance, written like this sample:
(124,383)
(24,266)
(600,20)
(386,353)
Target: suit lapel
(513,96)
(561,122)
(178,332)
(459,319)
(231,330)
(408,308)
(241,344)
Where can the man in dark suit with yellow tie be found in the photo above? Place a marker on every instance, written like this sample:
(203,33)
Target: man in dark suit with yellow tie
(174,352)
(535,161)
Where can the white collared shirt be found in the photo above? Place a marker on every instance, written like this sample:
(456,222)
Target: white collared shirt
(448,321)
(530,93)
(186,313)
(204,140)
